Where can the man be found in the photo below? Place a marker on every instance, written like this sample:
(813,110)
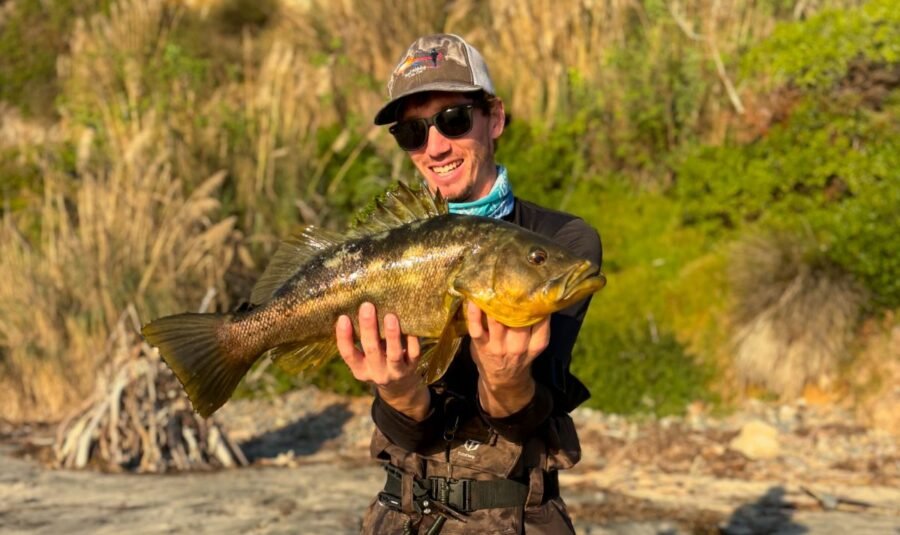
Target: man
(481,448)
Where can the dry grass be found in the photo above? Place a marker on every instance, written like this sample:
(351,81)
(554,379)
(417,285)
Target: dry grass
(125,230)
(361,42)
(139,221)
(874,377)
(260,127)
(794,317)
(124,236)
(550,43)
(279,105)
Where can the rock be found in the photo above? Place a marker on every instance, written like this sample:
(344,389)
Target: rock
(882,412)
(787,418)
(757,440)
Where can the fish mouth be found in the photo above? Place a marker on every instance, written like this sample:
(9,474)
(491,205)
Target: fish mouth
(584,279)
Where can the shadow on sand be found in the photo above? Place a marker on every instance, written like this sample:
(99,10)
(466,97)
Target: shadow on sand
(770,514)
(304,436)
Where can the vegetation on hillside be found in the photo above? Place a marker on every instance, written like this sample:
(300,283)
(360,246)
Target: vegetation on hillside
(740,159)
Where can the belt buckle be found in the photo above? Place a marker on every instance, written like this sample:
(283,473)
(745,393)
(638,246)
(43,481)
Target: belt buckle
(464,489)
(438,500)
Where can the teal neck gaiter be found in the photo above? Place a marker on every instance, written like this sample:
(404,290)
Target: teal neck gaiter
(498,203)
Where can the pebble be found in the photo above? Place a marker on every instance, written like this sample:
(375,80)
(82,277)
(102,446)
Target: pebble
(757,440)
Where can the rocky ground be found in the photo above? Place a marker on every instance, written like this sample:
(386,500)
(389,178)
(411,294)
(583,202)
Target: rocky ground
(785,469)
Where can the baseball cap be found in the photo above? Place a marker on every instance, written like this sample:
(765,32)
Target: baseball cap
(439,62)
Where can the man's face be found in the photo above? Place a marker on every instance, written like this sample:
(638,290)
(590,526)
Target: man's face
(463,168)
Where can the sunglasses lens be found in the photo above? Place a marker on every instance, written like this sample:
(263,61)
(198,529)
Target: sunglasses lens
(452,122)
(410,135)
(455,121)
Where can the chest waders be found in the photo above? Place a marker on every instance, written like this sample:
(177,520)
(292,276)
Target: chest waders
(455,498)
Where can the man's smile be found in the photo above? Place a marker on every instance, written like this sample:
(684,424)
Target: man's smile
(446,168)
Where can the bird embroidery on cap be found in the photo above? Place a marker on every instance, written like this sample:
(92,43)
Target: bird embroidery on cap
(418,62)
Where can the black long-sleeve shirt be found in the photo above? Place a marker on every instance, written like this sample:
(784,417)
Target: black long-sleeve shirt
(557,390)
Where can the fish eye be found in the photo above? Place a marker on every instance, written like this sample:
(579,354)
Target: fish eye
(537,256)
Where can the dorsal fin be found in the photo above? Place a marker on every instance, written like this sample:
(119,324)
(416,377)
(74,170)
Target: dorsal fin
(399,205)
(290,256)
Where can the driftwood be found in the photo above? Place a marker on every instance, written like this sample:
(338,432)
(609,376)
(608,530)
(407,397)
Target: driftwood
(139,418)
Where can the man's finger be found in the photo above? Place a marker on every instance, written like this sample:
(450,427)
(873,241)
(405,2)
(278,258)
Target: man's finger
(474,321)
(517,340)
(368,331)
(540,337)
(394,345)
(343,331)
(413,350)
(496,336)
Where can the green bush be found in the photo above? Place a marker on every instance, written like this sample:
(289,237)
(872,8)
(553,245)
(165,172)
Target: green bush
(631,373)
(543,163)
(627,353)
(819,52)
(833,169)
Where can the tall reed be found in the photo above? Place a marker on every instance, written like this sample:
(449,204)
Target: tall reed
(113,237)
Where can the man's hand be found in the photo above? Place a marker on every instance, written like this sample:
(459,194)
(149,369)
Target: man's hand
(386,364)
(503,356)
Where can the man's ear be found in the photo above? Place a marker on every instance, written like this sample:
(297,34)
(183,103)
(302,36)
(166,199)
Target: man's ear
(498,118)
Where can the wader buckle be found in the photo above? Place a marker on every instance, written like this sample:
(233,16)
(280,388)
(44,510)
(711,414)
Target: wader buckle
(438,499)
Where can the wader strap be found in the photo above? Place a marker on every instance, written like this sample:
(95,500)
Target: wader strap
(467,495)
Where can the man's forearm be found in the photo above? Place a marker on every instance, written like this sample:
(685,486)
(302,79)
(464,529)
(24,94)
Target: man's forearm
(503,400)
(414,403)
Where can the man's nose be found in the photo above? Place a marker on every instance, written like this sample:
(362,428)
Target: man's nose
(437,144)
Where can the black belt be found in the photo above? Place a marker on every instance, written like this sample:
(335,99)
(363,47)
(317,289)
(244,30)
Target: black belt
(467,495)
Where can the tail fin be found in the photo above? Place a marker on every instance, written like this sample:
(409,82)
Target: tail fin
(192,347)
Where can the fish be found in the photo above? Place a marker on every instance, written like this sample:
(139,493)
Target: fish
(408,256)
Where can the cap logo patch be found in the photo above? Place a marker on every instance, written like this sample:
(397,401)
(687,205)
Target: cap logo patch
(419,61)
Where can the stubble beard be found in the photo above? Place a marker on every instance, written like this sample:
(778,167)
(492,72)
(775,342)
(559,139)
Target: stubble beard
(464,196)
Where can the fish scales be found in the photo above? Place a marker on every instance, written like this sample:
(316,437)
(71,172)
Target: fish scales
(402,274)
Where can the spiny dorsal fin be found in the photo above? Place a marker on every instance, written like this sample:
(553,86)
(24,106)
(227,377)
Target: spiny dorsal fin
(399,205)
(291,254)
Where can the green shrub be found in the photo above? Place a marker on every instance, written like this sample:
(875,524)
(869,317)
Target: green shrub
(698,301)
(544,164)
(833,169)
(627,353)
(633,373)
(819,52)
(17,175)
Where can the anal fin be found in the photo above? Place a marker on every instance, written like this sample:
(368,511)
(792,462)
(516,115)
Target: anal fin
(298,357)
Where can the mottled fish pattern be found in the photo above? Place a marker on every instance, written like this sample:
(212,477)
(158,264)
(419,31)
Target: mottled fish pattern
(409,257)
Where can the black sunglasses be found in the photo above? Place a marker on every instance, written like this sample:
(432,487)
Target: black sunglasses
(452,122)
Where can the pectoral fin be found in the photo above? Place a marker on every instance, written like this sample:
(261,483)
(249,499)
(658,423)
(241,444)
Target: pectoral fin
(437,358)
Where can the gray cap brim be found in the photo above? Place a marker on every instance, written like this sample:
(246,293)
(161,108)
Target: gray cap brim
(388,113)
